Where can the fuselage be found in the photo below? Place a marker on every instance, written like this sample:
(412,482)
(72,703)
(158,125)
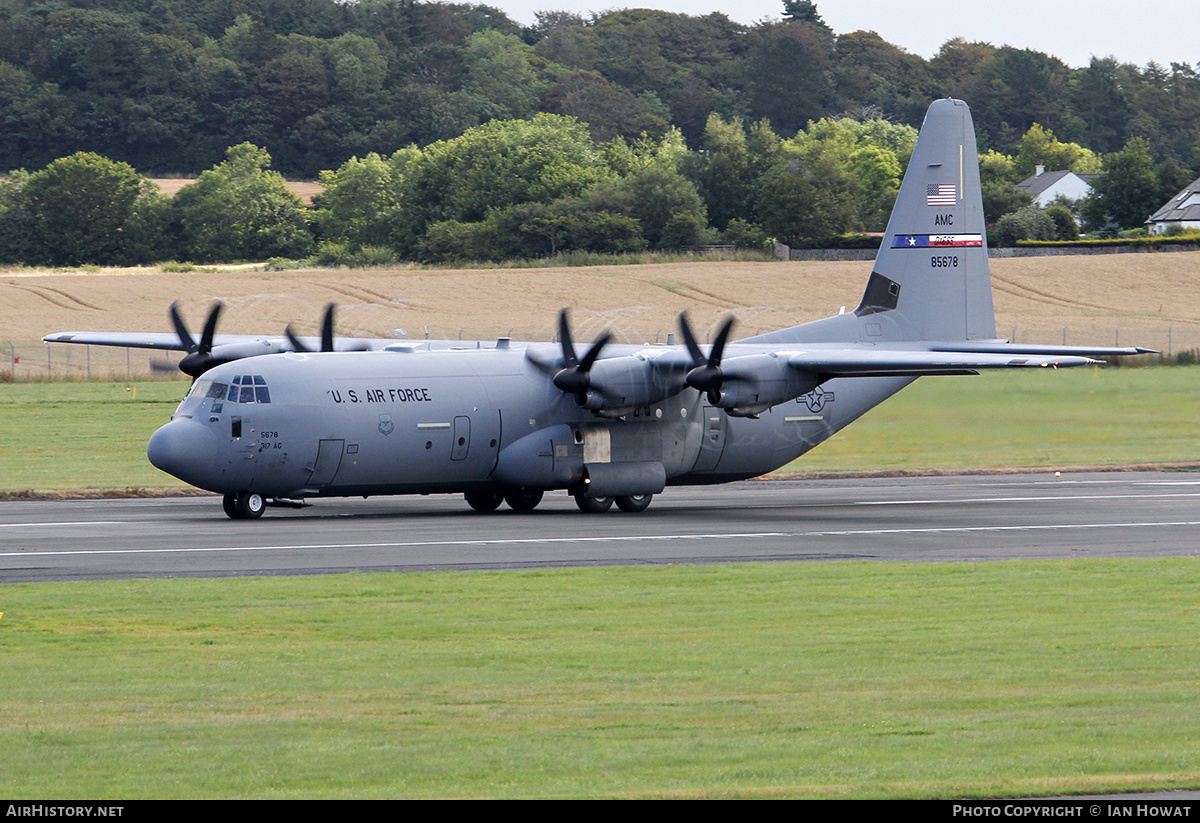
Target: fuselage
(298,425)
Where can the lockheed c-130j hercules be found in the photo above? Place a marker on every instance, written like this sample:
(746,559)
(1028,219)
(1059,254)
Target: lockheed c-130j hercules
(273,420)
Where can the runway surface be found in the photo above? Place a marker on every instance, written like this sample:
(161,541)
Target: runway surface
(1119,514)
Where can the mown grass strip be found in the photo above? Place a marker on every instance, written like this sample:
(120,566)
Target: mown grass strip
(843,679)
(1090,416)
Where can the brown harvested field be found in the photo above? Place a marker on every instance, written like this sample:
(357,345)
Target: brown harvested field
(304,189)
(1140,299)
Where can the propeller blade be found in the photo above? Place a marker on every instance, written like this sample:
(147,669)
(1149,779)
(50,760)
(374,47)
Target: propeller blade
(599,343)
(564,339)
(295,342)
(689,340)
(718,347)
(327,329)
(181,329)
(210,328)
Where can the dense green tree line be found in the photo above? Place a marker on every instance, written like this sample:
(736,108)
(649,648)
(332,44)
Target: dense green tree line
(167,85)
(507,188)
(445,130)
(537,187)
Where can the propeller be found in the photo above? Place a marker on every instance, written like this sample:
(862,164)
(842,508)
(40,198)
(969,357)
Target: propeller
(199,357)
(326,335)
(706,374)
(573,375)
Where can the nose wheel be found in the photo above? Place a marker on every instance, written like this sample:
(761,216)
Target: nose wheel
(244,505)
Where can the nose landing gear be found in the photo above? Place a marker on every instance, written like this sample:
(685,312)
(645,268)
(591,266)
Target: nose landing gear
(244,505)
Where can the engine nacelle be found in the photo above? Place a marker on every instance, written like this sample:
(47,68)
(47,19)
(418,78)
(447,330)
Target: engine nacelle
(756,382)
(633,381)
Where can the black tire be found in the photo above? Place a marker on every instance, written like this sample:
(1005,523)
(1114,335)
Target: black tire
(250,505)
(484,501)
(523,500)
(593,505)
(634,502)
(229,503)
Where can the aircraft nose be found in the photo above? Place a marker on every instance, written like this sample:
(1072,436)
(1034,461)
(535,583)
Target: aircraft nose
(182,448)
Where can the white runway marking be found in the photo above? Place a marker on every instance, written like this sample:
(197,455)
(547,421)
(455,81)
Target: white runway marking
(64,523)
(616,539)
(1042,499)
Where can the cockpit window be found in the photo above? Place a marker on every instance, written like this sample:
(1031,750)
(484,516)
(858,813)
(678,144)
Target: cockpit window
(216,391)
(246,388)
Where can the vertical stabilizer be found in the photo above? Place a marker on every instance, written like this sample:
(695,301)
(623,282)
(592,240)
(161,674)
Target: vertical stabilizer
(931,279)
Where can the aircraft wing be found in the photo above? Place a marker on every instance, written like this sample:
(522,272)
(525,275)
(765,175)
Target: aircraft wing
(146,340)
(165,341)
(1000,347)
(877,363)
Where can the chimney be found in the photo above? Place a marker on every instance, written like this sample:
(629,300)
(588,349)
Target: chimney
(1041,169)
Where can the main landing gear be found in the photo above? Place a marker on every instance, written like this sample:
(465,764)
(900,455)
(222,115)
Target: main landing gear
(488,500)
(626,503)
(526,500)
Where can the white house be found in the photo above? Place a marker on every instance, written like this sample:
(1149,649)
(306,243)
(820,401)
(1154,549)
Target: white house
(1048,186)
(1182,210)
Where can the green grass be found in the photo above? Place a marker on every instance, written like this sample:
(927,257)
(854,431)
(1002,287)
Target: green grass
(57,436)
(83,435)
(784,680)
(1018,419)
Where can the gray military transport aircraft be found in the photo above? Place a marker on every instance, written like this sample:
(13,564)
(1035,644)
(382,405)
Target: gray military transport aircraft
(277,420)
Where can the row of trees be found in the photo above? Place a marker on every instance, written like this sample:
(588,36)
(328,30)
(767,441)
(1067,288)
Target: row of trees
(530,188)
(167,86)
(87,209)
(504,189)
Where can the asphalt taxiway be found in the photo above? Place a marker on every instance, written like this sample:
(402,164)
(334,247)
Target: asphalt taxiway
(965,518)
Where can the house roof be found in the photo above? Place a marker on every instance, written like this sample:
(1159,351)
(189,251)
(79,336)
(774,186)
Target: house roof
(1038,183)
(1183,206)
